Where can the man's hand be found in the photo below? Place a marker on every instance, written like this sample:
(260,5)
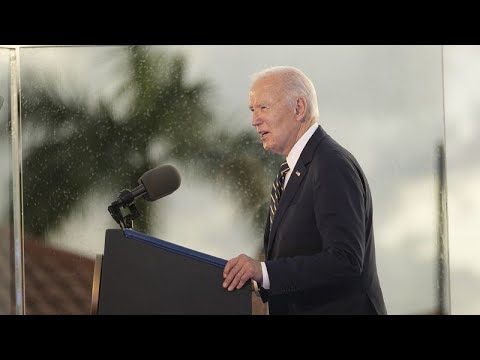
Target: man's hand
(239,270)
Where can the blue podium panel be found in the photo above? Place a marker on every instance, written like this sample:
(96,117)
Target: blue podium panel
(141,274)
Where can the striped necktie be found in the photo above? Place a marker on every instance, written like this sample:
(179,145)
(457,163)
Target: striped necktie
(277,190)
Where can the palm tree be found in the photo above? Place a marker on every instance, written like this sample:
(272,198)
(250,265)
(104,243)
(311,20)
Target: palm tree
(81,149)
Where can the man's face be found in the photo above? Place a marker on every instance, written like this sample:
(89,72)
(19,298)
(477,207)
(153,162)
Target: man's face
(272,116)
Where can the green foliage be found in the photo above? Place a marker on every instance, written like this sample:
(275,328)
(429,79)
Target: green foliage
(83,149)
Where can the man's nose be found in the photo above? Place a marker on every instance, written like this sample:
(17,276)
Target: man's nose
(255,119)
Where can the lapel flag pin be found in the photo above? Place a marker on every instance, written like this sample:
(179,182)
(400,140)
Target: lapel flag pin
(298,173)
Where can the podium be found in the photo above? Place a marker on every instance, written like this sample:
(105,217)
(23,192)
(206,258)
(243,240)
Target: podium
(141,275)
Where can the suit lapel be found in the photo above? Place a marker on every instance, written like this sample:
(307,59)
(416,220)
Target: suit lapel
(296,179)
(293,185)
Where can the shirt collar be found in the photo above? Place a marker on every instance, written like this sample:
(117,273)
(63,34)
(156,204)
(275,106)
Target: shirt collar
(297,149)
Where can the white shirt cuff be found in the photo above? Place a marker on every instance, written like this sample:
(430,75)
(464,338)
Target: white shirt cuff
(265,279)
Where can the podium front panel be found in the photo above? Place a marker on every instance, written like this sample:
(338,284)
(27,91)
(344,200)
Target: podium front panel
(144,275)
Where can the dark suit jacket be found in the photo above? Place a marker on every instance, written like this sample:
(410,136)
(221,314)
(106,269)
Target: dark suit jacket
(320,252)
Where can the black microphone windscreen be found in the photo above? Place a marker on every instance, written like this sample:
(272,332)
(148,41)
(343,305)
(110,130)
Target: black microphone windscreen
(160,181)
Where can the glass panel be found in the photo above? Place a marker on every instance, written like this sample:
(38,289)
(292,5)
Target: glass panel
(7,266)
(462,110)
(95,119)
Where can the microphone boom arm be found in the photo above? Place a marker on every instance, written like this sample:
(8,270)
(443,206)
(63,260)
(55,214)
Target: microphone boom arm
(124,218)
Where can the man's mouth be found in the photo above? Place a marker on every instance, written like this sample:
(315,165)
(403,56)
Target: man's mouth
(263,133)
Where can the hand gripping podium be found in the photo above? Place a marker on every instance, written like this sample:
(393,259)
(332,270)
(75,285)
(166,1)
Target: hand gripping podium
(139,274)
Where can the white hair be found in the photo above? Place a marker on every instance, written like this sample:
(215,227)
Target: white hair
(296,84)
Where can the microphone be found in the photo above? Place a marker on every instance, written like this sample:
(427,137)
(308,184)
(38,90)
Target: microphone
(154,184)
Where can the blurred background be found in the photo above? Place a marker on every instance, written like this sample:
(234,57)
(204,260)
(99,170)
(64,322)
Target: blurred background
(79,124)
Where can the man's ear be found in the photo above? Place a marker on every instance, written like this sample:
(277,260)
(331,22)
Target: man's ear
(300,108)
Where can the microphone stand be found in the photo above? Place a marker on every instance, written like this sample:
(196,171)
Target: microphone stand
(124,218)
